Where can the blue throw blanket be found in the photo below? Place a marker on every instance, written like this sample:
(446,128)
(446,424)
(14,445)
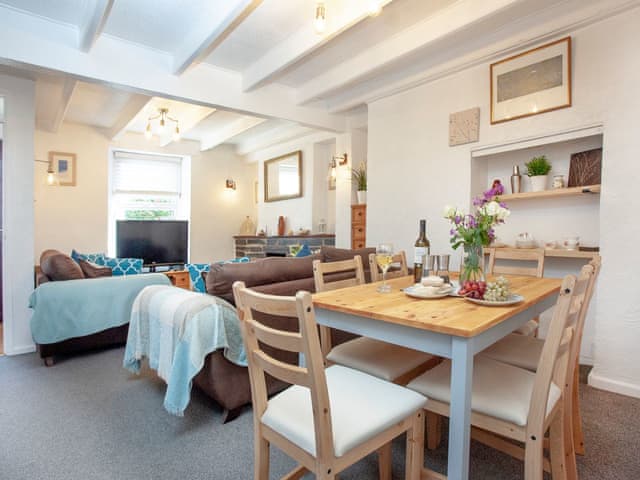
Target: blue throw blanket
(176,329)
(75,308)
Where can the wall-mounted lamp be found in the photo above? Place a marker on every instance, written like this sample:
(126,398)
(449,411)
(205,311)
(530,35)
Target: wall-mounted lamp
(52,178)
(230,184)
(342,159)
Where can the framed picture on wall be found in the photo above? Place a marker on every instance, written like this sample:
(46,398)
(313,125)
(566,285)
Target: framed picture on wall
(532,82)
(64,167)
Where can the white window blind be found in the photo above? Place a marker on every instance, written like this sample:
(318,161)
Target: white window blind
(146,174)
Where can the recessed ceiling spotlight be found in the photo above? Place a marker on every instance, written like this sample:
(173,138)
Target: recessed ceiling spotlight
(320,21)
(374,8)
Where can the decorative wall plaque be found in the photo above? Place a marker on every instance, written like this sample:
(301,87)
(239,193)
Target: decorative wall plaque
(585,168)
(464,127)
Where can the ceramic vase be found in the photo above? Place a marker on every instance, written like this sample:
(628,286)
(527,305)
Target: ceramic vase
(361,195)
(539,183)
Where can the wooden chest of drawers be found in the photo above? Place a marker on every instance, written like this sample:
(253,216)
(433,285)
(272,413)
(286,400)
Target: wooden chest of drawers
(358,226)
(179,278)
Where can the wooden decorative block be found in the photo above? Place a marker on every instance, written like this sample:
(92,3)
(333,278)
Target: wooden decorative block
(464,127)
(585,168)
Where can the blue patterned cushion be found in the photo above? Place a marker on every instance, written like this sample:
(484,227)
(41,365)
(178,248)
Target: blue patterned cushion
(238,260)
(195,272)
(124,266)
(305,251)
(97,258)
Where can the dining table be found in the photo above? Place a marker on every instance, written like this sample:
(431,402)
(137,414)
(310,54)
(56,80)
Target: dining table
(450,327)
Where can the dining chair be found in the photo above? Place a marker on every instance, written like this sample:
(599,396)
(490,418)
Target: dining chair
(398,258)
(381,359)
(525,352)
(328,419)
(534,267)
(516,403)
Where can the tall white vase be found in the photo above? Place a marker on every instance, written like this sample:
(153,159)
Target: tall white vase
(362,196)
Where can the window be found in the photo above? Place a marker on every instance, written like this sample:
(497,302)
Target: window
(147,186)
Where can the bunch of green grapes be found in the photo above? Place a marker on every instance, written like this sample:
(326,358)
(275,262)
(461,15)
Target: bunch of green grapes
(497,291)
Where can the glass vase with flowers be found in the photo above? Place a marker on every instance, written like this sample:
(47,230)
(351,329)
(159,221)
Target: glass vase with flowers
(476,230)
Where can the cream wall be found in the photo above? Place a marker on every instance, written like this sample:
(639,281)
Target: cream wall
(77,217)
(413,173)
(17,211)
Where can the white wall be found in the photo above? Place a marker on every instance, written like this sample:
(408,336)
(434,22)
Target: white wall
(17,205)
(77,217)
(413,172)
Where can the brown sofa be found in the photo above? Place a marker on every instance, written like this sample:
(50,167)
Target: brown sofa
(57,266)
(228,384)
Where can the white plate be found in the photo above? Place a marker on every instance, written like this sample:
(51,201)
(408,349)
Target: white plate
(415,293)
(512,300)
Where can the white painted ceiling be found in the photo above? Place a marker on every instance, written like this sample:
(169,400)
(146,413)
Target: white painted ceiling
(223,67)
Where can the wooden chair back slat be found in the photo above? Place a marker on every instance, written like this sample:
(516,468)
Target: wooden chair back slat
(282,371)
(398,258)
(519,255)
(320,269)
(282,340)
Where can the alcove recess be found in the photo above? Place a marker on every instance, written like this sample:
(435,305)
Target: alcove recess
(551,215)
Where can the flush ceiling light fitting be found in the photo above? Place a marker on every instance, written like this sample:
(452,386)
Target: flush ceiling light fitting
(319,22)
(163,117)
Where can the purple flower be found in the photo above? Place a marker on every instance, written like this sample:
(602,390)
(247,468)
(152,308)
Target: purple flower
(452,231)
(499,189)
(457,219)
(503,205)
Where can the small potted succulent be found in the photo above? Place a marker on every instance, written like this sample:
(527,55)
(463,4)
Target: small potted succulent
(538,169)
(359,176)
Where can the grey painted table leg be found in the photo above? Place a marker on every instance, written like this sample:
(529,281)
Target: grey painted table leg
(460,414)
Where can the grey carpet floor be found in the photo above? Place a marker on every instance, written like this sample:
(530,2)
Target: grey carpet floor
(88,418)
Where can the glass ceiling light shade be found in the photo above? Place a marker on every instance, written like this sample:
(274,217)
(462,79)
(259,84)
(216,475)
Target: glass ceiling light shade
(163,117)
(319,23)
(374,8)
(52,178)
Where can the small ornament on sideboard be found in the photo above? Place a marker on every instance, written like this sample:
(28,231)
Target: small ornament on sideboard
(248,227)
(281,225)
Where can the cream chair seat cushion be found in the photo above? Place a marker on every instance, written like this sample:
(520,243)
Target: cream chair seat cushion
(361,407)
(499,390)
(380,359)
(528,328)
(517,350)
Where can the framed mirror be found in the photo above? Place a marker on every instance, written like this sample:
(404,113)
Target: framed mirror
(283,177)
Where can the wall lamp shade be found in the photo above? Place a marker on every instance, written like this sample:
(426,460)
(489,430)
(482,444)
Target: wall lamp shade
(52,178)
(230,184)
(342,159)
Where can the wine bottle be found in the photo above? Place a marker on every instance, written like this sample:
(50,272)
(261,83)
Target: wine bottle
(420,252)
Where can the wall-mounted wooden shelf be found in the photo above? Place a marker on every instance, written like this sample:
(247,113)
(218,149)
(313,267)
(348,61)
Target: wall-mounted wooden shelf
(560,253)
(555,193)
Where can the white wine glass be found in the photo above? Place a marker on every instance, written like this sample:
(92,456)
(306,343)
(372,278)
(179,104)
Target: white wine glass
(384,257)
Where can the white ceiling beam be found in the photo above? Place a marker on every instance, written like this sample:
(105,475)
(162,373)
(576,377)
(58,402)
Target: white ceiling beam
(195,115)
(142,70)
(192,54)
(340,17)
(289,145)
(272,137)
(459,15)
(94,23)
(57,118)
(220,136)
(134,106)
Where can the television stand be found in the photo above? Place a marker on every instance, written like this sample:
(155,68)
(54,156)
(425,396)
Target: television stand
(179,278)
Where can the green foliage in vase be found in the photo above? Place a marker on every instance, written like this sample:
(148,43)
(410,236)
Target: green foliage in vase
(359,176)
(538,166)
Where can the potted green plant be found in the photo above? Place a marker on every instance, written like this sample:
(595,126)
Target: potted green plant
(538,169)
(359,176)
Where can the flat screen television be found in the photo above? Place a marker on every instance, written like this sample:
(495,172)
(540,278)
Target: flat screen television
(157,242)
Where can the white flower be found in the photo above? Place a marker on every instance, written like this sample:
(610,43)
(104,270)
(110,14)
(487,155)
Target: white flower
(492,208)
(449,211)
(503,213)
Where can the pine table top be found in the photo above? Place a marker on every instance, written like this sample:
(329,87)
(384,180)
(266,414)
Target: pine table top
(448,315)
